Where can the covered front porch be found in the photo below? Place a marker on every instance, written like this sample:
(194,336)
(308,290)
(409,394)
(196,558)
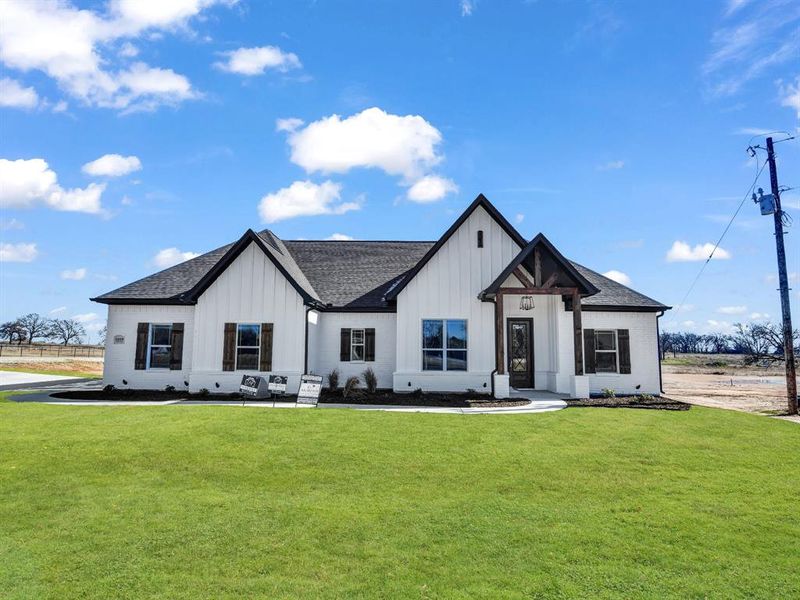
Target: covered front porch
(538,343)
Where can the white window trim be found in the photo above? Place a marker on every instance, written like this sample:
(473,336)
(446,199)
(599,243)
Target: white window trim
(613,332)
(363,345)
(444,349)
(150,345)
(257,346)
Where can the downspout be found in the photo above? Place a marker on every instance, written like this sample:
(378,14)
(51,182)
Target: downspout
(658,349)
(305,345)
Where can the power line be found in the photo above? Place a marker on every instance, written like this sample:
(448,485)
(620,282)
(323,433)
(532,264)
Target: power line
(727,227)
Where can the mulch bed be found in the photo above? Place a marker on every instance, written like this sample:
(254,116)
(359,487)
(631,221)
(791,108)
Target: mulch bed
(127,395)
(654,403)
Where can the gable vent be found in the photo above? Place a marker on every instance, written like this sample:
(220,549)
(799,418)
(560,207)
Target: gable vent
(480,238)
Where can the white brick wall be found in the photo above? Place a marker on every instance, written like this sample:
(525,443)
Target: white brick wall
(119,361)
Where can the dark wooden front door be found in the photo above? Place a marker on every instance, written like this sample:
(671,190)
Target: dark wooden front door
(520,352)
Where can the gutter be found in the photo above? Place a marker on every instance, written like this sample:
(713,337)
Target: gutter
(658,349)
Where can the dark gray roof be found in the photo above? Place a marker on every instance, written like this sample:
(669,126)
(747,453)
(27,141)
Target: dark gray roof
(344,274)
(355,274)
(615,294)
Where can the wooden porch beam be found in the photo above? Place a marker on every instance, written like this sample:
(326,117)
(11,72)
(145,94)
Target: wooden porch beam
(551,281)
(523,279)
(530,291)
(537,267)
(499,341)
(578,328)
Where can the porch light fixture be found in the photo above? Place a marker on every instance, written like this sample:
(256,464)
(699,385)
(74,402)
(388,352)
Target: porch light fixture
(526,303)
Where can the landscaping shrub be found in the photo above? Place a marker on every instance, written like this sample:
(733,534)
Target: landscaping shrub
(609,393)
(333,379)
(370,380)
(350,386)
(109,388)
(203,392)
(169,388)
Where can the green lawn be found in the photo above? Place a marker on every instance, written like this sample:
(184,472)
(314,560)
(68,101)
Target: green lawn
(64,372)
(200,501)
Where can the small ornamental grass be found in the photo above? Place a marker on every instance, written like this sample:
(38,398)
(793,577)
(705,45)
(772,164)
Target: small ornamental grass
(333,380)
(350,387)
(370,380)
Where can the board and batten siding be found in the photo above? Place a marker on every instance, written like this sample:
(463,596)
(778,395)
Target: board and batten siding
(644,352)
(324,338)
(123,320)
(250,290)
(447,287)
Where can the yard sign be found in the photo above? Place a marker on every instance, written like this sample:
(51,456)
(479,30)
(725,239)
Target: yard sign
(310,387)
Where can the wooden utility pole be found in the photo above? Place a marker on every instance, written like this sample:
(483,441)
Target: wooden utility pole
(788,338)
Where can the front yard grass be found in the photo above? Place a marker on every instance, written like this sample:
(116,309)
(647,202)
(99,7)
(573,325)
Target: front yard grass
(203,501)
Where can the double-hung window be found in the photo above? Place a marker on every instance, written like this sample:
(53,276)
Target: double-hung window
(160,347)
(248,346)
(357,344)
(605,351)
(444,345)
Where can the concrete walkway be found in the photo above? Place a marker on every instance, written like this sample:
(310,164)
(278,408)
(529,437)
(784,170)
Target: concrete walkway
(14,380)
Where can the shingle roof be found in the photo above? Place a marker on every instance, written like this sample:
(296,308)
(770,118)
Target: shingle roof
(355,274)
(613,294)
(349,274)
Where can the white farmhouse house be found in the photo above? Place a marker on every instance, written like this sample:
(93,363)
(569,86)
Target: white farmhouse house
(480,309)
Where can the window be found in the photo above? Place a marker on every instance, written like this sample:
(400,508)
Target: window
(248,346)
(444,345)
(605,351)
(357,344)
(160,346)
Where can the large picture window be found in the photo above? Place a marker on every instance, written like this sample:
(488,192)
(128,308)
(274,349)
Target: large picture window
(605,351)
(444,345)
(160,347)
(248,346)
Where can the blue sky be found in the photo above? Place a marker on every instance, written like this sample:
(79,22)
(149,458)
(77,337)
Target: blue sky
(616,128)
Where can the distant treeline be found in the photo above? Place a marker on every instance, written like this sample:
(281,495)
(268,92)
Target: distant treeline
(756,341)
(31,327)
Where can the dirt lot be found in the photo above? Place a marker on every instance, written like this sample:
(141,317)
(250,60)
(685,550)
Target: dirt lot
(87,367)
(723,381)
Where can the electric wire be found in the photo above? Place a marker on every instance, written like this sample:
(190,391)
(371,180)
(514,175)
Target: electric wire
(725,231)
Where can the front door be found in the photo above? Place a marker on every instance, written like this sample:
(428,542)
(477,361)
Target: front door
(520,352)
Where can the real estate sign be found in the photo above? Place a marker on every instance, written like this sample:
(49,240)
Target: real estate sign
(277,384)
(310,388)
(253,386)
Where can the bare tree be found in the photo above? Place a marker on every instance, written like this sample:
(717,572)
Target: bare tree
(101,335)
(66,331)
(761,342)
(34,325)
(12,329)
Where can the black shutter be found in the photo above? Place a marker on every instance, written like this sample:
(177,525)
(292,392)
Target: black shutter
(176,351)
(624,349)
(369,345)
(266,347)
(344,346)
(588,351)
(140,360)
(229,348)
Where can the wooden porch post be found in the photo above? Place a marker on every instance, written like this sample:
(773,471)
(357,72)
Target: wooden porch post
(578,326)
(499,342)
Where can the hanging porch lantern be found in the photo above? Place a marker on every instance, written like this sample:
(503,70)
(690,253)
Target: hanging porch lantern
(526,303)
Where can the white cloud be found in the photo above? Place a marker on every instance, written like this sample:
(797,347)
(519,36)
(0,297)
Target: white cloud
(790,95)
(58,310)
(757,316)
(13,95)
(112,165)
(18,252)
(467,7)
(683,252)
(518,218)
(304,198)
(169,257)
(430,189)
(24,183)
(612,165)
(339,237)
(732,310)
(74,274)
(618,276)
(713,325)
(128,50)
(254,61)
(289,124)
(9,224)
(760,39)
(398,145)
(76,48)
(86,317)
(734,5)
(685,308)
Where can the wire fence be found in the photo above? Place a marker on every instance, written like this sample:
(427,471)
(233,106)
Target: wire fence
(52,350)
